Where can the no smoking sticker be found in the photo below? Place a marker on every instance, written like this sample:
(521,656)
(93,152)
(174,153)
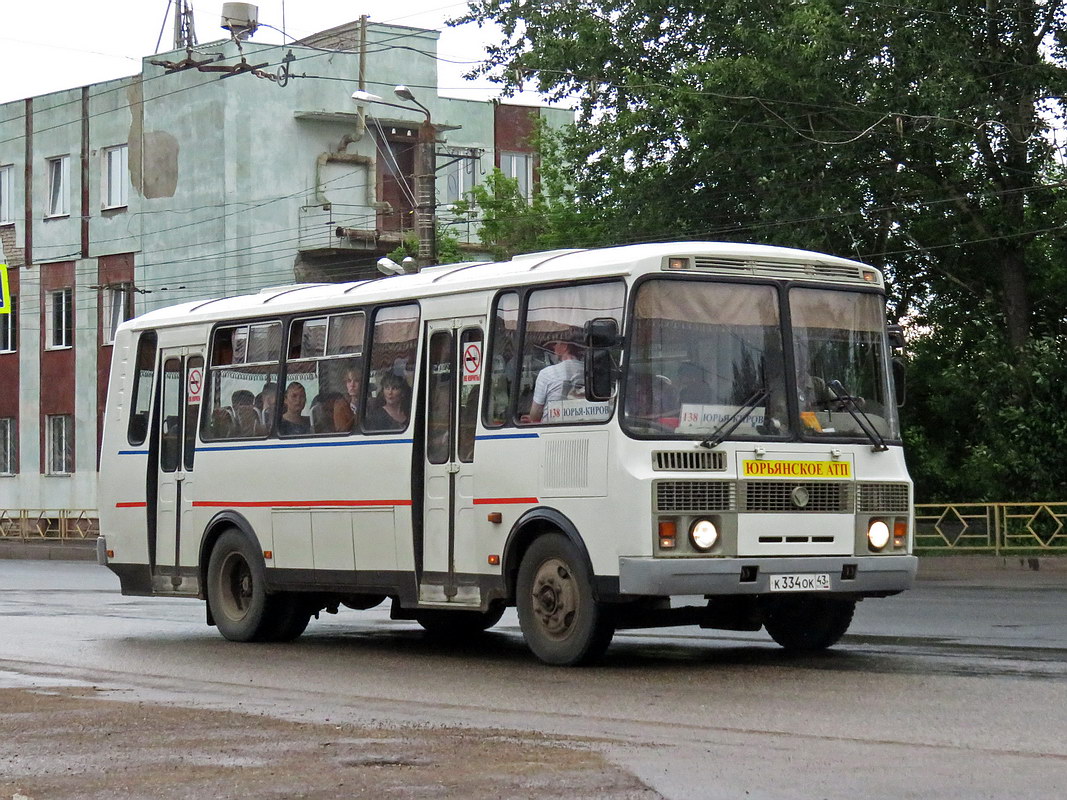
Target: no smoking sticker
(472,363)
(196,385)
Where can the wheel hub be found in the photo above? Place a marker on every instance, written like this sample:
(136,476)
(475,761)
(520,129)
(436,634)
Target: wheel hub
(555,597)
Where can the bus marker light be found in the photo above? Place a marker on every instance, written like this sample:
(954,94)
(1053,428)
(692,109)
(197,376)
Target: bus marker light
(110,553)
(868,276)
(495,517)
(494,561)
(668,531)
(677,263)
(900,529)
(268,554)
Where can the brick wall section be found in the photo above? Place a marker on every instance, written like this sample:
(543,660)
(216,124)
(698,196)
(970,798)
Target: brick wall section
(57,366)
(513,129)
(13,255)
(110,270)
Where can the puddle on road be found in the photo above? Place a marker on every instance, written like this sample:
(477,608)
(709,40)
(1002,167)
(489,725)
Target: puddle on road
(16,680)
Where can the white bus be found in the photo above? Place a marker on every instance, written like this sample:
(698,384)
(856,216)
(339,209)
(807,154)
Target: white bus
(639,436)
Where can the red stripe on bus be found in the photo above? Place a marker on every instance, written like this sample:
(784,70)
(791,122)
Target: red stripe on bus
(296,503)
(481,501)
(131,505)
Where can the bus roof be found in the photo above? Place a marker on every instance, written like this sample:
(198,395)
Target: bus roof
(555,265)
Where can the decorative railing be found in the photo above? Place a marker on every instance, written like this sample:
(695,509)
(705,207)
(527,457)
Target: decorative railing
(991,528)
(48,524)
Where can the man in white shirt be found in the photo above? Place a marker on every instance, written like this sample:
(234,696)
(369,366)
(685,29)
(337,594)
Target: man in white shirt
(555,382)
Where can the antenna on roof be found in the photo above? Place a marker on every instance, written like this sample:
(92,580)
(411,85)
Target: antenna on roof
(184,28)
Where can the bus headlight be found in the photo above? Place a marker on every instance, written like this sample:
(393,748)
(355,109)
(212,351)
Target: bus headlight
(703,534)
(877,534)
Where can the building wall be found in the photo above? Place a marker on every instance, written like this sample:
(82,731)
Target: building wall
(234,184)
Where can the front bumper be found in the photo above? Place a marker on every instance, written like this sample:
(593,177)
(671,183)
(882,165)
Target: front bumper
(662,577)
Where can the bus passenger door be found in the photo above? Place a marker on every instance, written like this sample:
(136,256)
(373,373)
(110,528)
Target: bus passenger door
(181,386)
(453,369)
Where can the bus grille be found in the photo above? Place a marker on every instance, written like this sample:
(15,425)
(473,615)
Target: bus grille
(882,498)
(694,495)
(797,497)
(689,460)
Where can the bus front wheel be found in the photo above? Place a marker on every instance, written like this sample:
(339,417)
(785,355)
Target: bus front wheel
(807,622)
(561,621)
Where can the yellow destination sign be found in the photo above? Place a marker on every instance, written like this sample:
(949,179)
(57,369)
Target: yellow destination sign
(5,292)
(796,469)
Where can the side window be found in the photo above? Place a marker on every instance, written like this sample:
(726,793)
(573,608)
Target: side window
(141,396)
(552,380)
(170,445)
(323,375)
(440,401)
(242,390)
(194,374)
(387,395)
(470,348)
(501,362)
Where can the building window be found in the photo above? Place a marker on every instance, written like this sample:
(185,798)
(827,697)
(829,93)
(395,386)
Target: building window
(8,446)
(9,328)
(116,176)
(519,166)
(457,178)
(58,191)
(7,186)
(60,444)
(117,307)
(60,327)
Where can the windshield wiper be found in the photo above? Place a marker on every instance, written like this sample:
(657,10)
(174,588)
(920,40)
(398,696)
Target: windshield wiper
(852,407)
(730,424)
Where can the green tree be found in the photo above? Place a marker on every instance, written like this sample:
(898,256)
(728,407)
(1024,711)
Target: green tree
(918,137)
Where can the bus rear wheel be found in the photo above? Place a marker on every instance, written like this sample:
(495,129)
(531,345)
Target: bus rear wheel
(807,622)
(561,621)
(237,594)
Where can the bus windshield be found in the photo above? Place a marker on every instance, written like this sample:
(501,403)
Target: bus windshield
(842,364)
(706,361)
(705,356)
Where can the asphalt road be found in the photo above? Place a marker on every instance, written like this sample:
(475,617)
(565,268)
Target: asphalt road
(957,689)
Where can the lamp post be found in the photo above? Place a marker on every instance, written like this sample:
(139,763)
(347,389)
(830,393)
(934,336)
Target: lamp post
(425,174)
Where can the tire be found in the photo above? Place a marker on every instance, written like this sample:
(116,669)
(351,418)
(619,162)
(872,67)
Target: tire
(807,622)
(236,590)
(288,616)
(439,622)
(561,621)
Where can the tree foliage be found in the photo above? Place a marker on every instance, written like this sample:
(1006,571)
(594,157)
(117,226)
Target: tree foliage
(918,137)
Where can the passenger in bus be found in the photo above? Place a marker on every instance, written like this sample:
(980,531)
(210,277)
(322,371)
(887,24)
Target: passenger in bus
(292,422)
(330,413)
(266,402)
(395,398)
(557,381)
(354,388)
(245,418)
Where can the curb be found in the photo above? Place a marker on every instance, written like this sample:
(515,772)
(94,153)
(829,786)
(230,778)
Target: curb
(50,550)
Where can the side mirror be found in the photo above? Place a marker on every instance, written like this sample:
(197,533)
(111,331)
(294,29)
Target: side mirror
(899,381)
(896,336)
(601,336)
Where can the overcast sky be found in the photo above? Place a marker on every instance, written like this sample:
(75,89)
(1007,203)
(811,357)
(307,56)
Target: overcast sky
(48,45)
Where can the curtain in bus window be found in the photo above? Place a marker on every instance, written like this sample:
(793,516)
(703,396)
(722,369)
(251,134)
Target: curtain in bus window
(242,392)
(552,381)
(702,355)
(392,369)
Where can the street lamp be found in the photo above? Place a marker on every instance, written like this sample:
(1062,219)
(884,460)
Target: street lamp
(425,173)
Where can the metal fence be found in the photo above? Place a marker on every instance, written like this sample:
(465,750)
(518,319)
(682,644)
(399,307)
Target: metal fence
(48,524)
(991,528)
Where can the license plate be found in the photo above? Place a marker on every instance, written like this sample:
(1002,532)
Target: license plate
(815,582)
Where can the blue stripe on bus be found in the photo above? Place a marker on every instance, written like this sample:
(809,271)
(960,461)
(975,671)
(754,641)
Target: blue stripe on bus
(133,452)
(297,445)
(507,436)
